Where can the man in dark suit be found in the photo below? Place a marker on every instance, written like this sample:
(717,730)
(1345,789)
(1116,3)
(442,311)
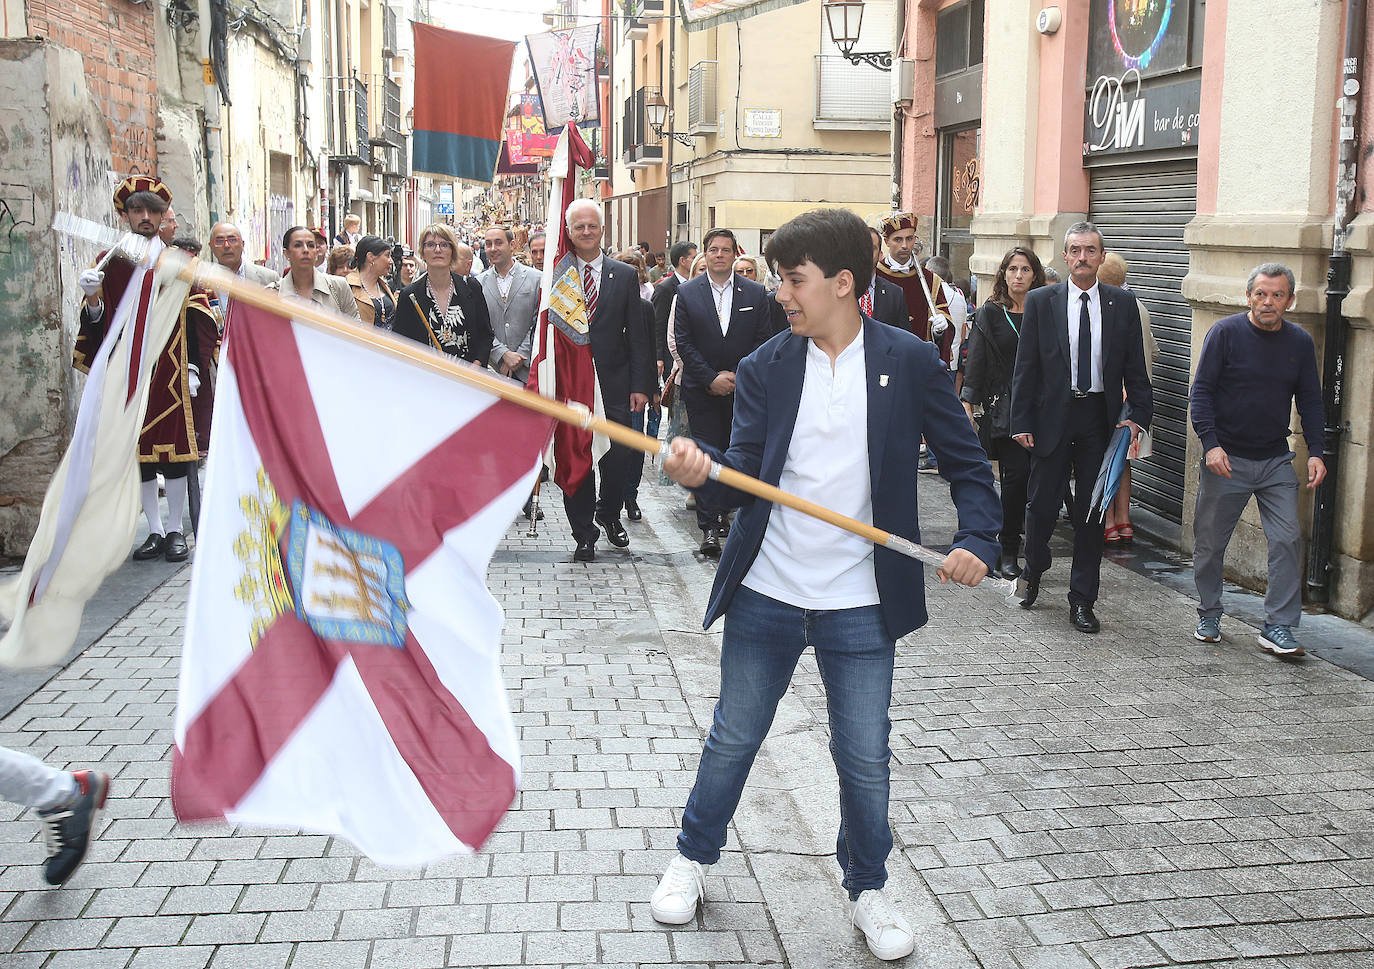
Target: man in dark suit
(1080,345)
(787,581)
(884,301)
(721,318)
(682,254)
(624,360)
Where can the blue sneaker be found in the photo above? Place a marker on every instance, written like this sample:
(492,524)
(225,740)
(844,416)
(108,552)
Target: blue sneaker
(926,463)
(1280,641)
(68,830)
(1208,630)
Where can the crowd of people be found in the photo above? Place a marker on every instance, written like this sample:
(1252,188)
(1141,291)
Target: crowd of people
(770,366)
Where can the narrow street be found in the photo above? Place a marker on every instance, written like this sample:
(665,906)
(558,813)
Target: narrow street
(1123,800)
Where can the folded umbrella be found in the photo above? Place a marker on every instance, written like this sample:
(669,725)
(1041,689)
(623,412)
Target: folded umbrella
(1109,476)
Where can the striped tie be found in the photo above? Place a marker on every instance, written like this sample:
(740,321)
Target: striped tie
(589,291)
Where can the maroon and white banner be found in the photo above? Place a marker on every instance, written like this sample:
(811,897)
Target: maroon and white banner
(341,666)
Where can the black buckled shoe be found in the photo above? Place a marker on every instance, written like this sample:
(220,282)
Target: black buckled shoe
(615,532)
(1032,589)
(151,548)
(585,552)
(710,542)
(1083,619)
(175,547)
(632,511)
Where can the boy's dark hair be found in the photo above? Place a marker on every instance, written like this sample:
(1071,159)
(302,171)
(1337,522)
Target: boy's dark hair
(833,239)
(187,244)
(724,233)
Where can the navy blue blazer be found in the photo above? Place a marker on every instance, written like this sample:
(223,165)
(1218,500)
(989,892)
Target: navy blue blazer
(917,399)
(704,350)
(889,304)
(1041,381)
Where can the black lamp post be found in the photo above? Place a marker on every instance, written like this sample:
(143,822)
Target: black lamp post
(844,18)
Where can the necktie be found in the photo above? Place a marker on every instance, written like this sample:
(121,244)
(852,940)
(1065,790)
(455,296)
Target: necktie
(1085,347)
(589,291)
(866,302)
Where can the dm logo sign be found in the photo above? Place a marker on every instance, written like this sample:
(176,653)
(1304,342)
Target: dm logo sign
(348,586)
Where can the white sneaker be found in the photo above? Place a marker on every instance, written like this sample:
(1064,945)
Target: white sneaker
(681,888)
(889,935)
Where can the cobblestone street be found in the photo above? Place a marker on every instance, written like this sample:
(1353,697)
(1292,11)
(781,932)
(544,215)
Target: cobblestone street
(1059,801)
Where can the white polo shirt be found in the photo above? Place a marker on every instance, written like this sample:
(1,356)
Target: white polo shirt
(804,561)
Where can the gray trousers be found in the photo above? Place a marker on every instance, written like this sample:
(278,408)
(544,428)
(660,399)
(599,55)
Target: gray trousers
(1220,502)
(26,780)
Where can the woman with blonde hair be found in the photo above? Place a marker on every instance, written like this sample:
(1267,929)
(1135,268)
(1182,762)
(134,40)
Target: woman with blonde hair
(1117,518)
(441,308)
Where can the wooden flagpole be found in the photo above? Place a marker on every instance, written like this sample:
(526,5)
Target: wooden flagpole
(317,317)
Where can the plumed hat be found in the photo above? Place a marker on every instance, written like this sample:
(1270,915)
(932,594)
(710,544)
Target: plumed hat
(897,222)
(140,183)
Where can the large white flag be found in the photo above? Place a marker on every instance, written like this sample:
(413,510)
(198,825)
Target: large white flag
(341,666)
(90,511)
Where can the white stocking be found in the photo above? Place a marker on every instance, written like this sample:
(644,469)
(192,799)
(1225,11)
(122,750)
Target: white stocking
(151,509)
(176,502)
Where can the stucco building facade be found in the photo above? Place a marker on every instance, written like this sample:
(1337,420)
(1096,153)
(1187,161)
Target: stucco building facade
(1172,125)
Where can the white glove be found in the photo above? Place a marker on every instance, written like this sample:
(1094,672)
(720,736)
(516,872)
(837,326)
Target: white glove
(193,379)
(938,326)
(90,281)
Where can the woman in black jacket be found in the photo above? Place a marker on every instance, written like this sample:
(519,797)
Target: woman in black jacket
(441,308)
(987,381)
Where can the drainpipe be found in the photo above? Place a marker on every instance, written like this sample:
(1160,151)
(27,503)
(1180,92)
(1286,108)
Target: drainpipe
(1337,288)
(898,113)
(214,131)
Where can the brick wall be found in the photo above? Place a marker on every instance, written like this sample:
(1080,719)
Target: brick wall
(115,40)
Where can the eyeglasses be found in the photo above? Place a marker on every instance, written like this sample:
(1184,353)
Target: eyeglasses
(438,244)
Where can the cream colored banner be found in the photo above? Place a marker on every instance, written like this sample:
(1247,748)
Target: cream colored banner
(704,14)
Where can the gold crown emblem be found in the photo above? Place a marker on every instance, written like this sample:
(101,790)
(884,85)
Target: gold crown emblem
(263,585)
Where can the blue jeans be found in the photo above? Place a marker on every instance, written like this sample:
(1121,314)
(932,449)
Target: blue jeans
(635,462)
(763,640)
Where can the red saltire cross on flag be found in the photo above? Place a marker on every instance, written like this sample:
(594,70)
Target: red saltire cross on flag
(341,667)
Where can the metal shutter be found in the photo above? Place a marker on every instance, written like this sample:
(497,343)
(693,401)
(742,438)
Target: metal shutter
(1142,212)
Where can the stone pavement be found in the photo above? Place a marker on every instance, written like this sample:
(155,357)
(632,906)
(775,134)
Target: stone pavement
(1059,801)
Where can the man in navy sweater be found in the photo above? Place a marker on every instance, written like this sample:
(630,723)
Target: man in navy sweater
(1253,366)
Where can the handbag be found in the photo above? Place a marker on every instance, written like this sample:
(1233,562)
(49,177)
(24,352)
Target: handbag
(669,389)
(997,408)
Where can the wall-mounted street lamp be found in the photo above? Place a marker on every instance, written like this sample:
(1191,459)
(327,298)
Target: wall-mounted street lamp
(844,18)
(656,112)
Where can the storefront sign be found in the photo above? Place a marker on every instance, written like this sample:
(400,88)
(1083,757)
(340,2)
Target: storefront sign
(1121,116)
(959,98)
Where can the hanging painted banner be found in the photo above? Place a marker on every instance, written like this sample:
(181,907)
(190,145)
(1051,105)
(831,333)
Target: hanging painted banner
(459,136)
(536,142)
(564,63)
(705,14)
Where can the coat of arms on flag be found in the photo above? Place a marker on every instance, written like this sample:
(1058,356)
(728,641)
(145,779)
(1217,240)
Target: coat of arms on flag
(341,666)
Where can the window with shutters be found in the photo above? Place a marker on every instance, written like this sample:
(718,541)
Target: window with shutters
(701,98)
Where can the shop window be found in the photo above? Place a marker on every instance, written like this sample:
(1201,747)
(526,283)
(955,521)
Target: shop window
(960,191)
(959,38)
